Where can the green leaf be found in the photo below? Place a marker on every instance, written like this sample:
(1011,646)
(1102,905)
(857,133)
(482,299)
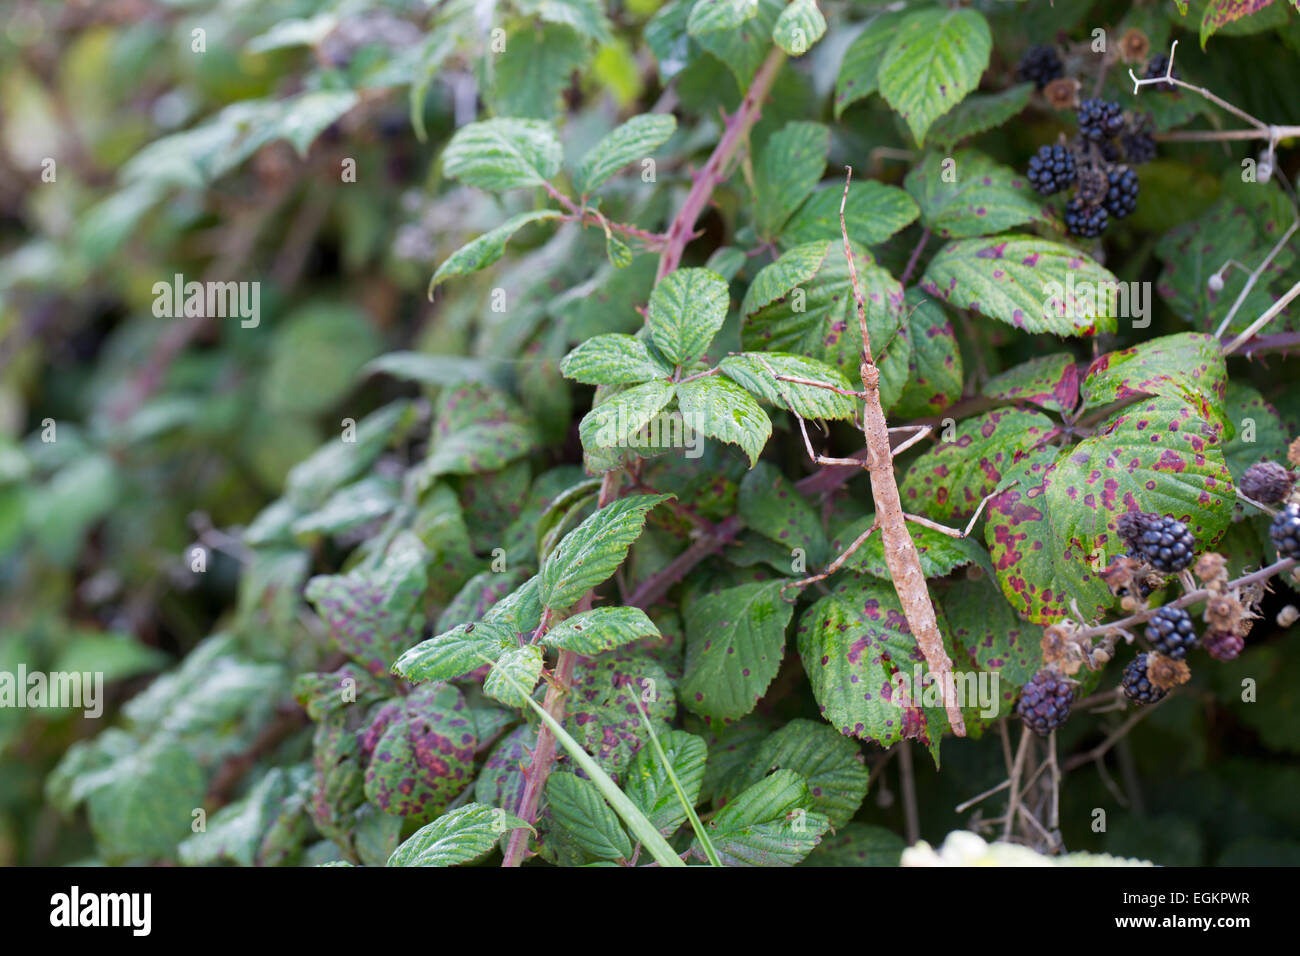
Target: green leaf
(858,844)
(587,17)
(1050,381)
(982,198)
(529,80)
(478,448)
(789,166)
(337,462)
(992,636)
(831,764)
(858,77)
(734,643)
(935,59)
(800,25)
(647,784)
(979,113)
(873,213)
(951,479)
(770,504)
(524,665)
(1032,284)
(1260,434)
(1187,366)
(234,833)
(578,807)
(486,249)
(591,552)
(500,154)
(687,307)
(741,46)
(768,824)
(940,554)
(634,140)
(459,836)
(708,16)
(600,629)
(755,371)
(612,360)
(623,414)
(934,378)
(433,370)
(721,409)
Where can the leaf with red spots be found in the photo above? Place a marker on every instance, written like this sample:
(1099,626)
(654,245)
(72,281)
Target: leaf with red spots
(1260,434)
(1220,13)
(934,376)
(735,640)
(1188,366)
(993,639)
(1050,381)
(1032,284)
(1156,456)
(969,194)
(951,479)
(831,764)
(771,506)
(421,752)
(601,713)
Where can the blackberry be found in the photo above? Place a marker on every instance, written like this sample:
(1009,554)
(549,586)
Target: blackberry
(1139,147)
(1137,686)
(1158,65)
(1051,169)
(1084,219)
(1045,702)
(1285,532)
(1041,65)
(1171,632)
(1165,542)
(1100,119)
(1122,193)
(1267,482)
(1224,645)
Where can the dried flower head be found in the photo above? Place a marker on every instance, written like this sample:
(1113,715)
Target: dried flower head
(1134,46)
(1062,93)
(1166,673)
(1292,453)
(1212,569)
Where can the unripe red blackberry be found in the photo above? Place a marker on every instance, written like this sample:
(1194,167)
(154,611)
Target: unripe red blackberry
(1136,685)
(1285,532)
(1045,702)
(1171,632)
(1266,482)
(1224,645)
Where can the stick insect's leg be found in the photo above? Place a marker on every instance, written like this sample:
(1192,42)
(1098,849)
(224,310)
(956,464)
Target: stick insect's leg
(834,565)
(953,532)
(803,427)
(921,432)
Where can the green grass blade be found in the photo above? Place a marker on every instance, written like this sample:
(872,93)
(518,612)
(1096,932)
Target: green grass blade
(696,825)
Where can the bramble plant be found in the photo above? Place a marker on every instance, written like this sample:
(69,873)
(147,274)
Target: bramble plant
(553,432)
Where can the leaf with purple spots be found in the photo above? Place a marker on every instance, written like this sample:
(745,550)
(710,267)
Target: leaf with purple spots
(951,479)
(759,828)
(1031,284)
(858,844)
(969,194)
(423,753)
(735,640)
(324,694)
(873,213)
(1187,366)
(934,378)
(770,504)
(831,764)
(1049,381)
(602,710)
(1221,13)
(1260,434)
(991,638)
(479,594)
(757,372)
(501,782)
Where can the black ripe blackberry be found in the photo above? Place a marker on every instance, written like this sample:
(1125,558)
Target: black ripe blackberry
(1171,632)
(1285,532)
(1122,194)
(1100,119)
(1045,702)
(1085,220)
(1041,65)
(1138,147)
(1267,482)
(1165,542)
(1137,686)
(1158,65)
(1051,169)
(1224,645)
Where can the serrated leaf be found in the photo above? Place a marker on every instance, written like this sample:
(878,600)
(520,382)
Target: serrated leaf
(979,113)
(934,378)
(982,198)
(734,643)
(1219,13)
(613,421)
(771,505)
(433,370)
(648,785)
(524,665)
(940,554)
(600,629)
(831,764)
(708,16)
(578,807)
(873,213)
(687,307)
(1188,366)
(478,448)
(602,708)
(529,81)
(789,166)
(634,140)
(587,17)
(591,552)
(612,360)
(1032,284)
(1050,381)
(858,844)
(758,828)
(857,77)
(462,835)
(935,59)
(337,462)
(758,371)
(500,154)
(1260,434)
(486,249)
(992,636)
(721,409)
(741,47)
(799,26)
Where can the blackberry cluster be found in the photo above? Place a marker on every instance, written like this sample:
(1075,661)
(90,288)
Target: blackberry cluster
(1083,219)
(1285,532)
(1122,192)
(1137,686)
(1041,65)
(1171,632)
(1166,543)
(1267,482)
(1100,120)
(1051,169)
(1158,65)
(1139,147)
(1045,702)
(1224,645)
